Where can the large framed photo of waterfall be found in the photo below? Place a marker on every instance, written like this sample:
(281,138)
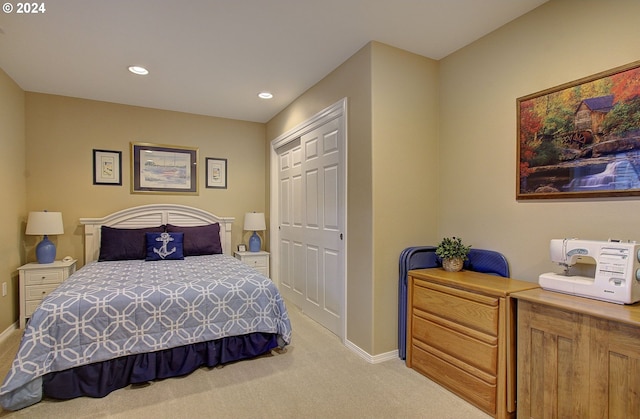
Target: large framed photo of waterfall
(581,139)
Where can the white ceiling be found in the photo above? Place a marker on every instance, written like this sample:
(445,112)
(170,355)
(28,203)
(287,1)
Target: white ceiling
(212,57)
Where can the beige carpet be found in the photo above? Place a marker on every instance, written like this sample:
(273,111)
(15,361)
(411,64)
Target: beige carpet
(317,377)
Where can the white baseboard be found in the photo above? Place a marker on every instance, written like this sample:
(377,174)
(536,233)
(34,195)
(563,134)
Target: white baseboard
(372,359)
(8,331)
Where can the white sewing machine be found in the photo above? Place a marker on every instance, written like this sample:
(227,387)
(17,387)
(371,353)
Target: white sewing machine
(608,270)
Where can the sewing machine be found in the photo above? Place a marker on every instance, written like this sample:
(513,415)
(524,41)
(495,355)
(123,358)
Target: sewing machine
(603,270)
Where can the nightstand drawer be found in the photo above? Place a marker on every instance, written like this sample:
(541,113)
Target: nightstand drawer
(38,292)
(30,307)
(263,271)
(255,261)
(43,276)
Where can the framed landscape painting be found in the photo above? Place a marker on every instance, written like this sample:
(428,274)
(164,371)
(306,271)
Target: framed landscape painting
(163,169)
(581,139)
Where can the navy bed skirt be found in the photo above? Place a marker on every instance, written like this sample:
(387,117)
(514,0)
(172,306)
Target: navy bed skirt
(101,378)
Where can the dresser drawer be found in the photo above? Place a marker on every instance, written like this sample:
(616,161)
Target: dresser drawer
(482,354)
(478,312)
(43,276)
(469,387)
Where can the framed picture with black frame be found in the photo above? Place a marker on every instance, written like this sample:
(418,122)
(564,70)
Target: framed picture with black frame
(107,167)
(216,173)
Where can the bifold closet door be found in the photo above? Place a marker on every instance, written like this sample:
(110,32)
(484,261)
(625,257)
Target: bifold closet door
(311,224)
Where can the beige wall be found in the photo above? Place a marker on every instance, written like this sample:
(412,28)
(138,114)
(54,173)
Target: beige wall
(405,164)
(62,133)
(559,42)
(14,192)
(392,149)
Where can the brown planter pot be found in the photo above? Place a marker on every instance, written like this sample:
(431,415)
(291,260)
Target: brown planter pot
(453,264)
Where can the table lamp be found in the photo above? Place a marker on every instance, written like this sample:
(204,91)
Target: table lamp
(45,223)
(254,221)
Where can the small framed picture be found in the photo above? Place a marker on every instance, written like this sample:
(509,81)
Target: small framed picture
(216,173)
(242,248)
(107,167)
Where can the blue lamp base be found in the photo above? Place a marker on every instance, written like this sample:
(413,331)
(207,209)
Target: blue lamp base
(254,242)
(46,251)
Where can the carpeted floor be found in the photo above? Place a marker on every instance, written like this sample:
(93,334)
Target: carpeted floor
(317,377)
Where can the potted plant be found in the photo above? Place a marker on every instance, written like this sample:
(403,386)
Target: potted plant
(453,253)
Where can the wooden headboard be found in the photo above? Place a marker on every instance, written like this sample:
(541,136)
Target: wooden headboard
(151,216)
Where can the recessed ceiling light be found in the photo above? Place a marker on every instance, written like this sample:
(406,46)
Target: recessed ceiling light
(136,69)
(265,95)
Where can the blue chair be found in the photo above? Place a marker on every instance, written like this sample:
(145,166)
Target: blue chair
(417,257)
(421,257)
(487,262)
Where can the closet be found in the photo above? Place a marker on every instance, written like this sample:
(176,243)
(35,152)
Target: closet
(308,217)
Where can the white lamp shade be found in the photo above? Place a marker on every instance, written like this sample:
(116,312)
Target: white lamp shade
(43,223)
(254,221)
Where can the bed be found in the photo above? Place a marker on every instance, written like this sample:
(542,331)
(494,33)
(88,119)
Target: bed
(159,296)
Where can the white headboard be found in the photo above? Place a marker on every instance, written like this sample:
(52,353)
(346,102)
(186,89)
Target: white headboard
(151,216)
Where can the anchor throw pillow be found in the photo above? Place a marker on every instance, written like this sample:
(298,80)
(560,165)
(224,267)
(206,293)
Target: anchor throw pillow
(164,246)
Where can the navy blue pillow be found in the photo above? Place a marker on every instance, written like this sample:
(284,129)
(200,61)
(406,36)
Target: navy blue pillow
(199,240)
(124,243)
(164,246)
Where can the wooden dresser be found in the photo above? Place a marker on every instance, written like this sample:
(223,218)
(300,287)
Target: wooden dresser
(461,334)
(577,357)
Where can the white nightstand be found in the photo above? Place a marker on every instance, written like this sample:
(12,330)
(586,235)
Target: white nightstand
(257,260)
(39,279)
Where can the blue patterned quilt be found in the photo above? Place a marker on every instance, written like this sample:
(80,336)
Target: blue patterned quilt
(111,309)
